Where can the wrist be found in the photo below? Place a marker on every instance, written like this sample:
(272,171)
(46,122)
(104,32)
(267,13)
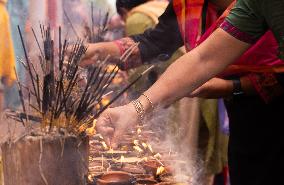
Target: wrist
(104,49)
(142,106)
(237,87)
(146,102)
(120,46)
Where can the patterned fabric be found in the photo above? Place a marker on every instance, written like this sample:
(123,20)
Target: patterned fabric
(189,14)
(267,86)
(134,59)
(238,34)
(151,10)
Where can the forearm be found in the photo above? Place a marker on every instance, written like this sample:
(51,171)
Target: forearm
(106,48)
(179,79)
(196,67)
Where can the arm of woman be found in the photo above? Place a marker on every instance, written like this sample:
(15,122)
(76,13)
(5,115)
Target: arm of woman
(222,88)
(196,67)
(182,77)
(164,39)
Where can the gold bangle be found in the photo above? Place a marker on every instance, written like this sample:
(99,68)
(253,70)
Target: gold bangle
(147,97)
(139,109)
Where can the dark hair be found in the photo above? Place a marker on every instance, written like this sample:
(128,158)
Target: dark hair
(127,4)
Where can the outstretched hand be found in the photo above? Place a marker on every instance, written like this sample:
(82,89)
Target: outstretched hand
(114,122)
(91,56)
(99,51)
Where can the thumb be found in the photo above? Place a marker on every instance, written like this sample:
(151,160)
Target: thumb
(115,139)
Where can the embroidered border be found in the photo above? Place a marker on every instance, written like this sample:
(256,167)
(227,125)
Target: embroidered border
(266,85)
(237,33)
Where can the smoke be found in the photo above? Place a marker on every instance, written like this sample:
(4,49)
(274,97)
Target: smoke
(178,140)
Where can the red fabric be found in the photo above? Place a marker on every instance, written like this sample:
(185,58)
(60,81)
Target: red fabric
(263,53)
(226,175)
(119,44)
(261,58)
(189,13)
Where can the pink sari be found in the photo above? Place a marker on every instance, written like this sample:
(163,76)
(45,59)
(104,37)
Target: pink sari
(261,57)
(259,63)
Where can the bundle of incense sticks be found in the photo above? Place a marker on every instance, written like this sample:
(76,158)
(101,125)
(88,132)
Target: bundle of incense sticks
(58,98)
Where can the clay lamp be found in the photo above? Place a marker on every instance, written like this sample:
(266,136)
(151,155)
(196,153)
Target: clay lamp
(116,178)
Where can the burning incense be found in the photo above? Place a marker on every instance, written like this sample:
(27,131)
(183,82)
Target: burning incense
(61,101)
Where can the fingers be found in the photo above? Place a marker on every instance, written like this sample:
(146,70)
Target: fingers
(105,128)
(87,61)
(113,123)
(90,57)
(115,139)
(108,134)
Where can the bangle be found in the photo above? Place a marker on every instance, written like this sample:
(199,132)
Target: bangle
(120,46)
(139,109)
(149,100)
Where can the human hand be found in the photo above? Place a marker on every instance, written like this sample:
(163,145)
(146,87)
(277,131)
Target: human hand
(91,56)
(100,51)
(214,88)
(114,122)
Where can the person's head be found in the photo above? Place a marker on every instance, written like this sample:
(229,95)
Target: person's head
(124,6)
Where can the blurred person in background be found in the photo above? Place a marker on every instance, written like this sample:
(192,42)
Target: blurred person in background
(18,10)
(140,15)
(7,55)
(7,60)
(256,144)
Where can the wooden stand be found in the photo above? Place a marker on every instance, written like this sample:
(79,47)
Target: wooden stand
(47,160)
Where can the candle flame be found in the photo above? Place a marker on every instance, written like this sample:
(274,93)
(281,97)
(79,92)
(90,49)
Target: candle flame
(105,145)
(136,142)
(144,145)
(105,101)
(110,68)
(111,150)
(138,149)
(92,130)
(90,177)
(122,159)
(158,156)
(150,148)
(160,170)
